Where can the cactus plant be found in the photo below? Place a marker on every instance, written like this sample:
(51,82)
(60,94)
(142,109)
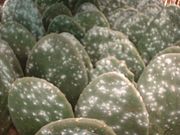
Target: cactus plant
(8,53)
(171,49)
(53,11)
(159,87)
(133,26)
(7,76)
(34,102)
(55,59)
(25,13)
(64,23)
(44,4)
(113,98)
(19,39)
(87,6)
(160,34)
(88,19)
(102,42)
(76,126)
(80,49)
(111,64)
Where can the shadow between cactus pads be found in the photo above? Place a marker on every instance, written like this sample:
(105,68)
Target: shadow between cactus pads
(34,102)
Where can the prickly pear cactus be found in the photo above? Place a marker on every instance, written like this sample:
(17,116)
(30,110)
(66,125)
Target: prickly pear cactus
(87,6)
(163,32)
(113,98)
(76,126)
(64,23)
(8,53)
(44,4)
(82,52)
(34,102)
(25,13)
(119,15)
(171,49)
(88,19)
(55,59)
(53,11)
(19,39)
(81,2)
(160,88)
(111,64)
(101,42)
(151,10)
(133,26)
(7,76)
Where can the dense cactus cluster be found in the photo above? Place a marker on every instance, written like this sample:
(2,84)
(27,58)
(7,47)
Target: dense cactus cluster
(89,67)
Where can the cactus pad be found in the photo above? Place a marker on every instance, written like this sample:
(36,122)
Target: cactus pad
(87,6)
(82,52)
(101,42)
(34,103)
(8,53)
(111,64)
(7,76)
(113,98)
(64,23)
(88,19)
(53,11)
(19,39)
(160,88)
(163,32)
(171,49)
(25,13)
(55,59)
(76,126)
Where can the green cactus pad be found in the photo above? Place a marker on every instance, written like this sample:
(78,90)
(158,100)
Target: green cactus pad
(0,12)
(113,98)
(163,32)
(64,23)
(55,59)
(8,53)
(111,64)
(53,11)
(119,15)
(76,126)
(34,102)
(19,39)
(88,19)
(171,49)
(87,6)
(81,2)
(44,4)
(25,13)
(133,26)
(7,76)
(101,42)
(160,88)
(151,10)
(80,49)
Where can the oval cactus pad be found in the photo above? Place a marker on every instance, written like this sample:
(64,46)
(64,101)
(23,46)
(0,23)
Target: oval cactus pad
(35,102)
(113,98)
(76,126)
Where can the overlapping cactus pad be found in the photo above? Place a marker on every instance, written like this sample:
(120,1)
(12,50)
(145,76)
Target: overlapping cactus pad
(35,102)
(76,126)
(112,98)
(89,67)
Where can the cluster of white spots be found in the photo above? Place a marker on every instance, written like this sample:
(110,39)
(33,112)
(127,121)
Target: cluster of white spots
(38,101)
(103,42)
(159,88)
(109,96)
